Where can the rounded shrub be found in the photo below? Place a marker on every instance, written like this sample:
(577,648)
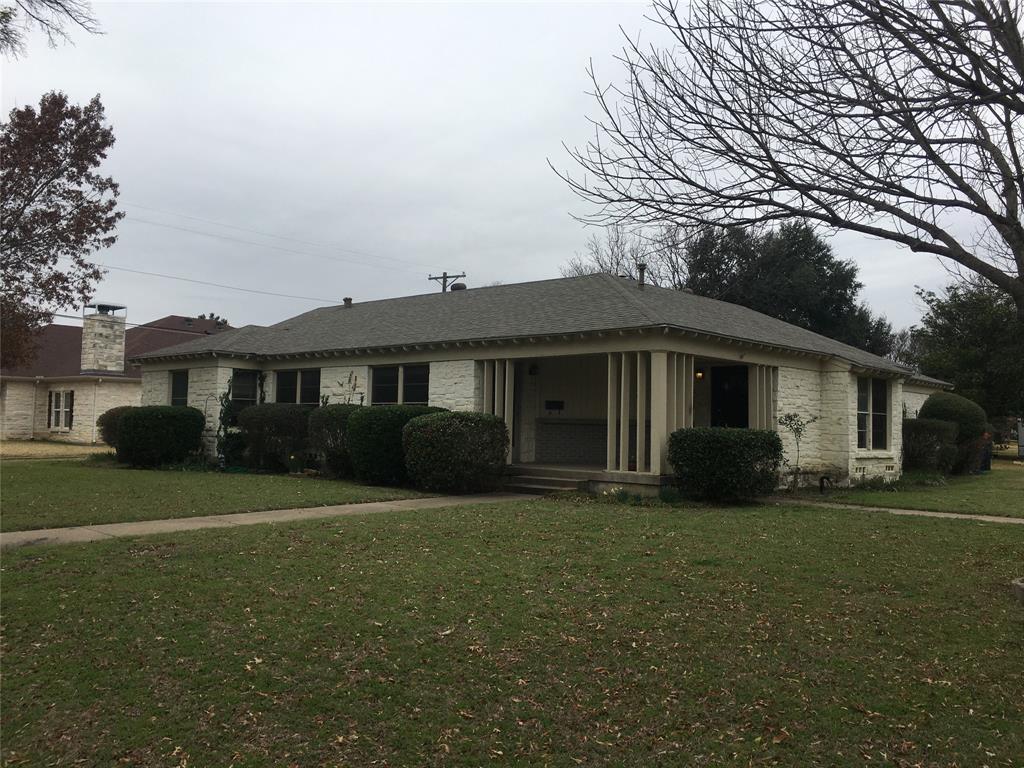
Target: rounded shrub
(971,422)
(109,423)
(929,444)
(375,442)
(159,434)
(275,435)
(328,437)
(722,463)
(455,452)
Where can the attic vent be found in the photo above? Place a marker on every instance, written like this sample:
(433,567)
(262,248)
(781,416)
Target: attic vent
(457,287)
(347,301)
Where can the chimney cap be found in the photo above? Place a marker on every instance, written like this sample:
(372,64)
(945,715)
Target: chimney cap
(105,309)
(347,301)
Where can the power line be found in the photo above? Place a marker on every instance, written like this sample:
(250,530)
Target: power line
(215,285)
(315,243)
(260,245)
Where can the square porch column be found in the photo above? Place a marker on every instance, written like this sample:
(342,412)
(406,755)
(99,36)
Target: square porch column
(499,388)
(510,393)
(641,412)
(613,410)
(624,397)
(488,386)
(660,426)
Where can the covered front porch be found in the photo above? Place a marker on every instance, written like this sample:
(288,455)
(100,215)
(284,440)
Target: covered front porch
(608,416)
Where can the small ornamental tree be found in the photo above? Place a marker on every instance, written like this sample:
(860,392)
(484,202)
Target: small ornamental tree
(797,426)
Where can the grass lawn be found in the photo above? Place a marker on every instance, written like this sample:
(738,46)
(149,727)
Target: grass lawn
(52,494)
(533,633)
(1000,492)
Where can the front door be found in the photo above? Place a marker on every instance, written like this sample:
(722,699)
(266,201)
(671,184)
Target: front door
(729,396)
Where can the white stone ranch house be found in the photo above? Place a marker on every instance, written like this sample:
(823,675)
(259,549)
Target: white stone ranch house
(592,374)
(77,373)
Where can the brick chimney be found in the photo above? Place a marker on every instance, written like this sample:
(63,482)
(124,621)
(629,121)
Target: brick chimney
(103,339)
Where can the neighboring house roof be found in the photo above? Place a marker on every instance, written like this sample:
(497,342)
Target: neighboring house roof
(928,381)
(59,347)
(590,303)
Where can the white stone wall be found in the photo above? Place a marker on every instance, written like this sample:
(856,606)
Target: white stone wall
(914,397)
(156,387)
(205,386)
(456,385)
(799,391)
(92,399)
(837,426)
(103,343)
(17,420)
(345,384)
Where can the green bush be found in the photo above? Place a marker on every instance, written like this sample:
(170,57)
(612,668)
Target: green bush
(455,452)
(971,421)
(328,437)
(275,434)
(720,463)
(109,424)
(929,444)
(159,434)
(375,442)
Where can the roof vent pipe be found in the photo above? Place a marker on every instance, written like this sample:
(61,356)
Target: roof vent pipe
(347,301)
(641,270)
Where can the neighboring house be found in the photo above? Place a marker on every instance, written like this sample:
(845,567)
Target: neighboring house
(591,373)
(79,373)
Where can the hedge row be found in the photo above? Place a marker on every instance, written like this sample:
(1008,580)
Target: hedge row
(725,464)
(971,422)
(929,444)
(158,434)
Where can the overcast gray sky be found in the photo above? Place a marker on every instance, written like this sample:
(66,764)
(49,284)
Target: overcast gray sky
(332,150)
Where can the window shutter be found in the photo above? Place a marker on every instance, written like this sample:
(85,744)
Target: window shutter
(49,409)
(70,405)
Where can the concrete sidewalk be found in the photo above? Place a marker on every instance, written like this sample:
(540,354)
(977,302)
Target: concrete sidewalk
(894,511)
(80,533)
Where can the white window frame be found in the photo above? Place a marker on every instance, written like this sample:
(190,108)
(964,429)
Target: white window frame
(60,414)
(870,413)
(401,383)
(300,373)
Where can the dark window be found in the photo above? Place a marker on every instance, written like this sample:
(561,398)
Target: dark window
(415,384)
(385,385)
(179,387)
(287,386)
(879,414)
(863,411)
(244,386)
(872,414)
(309,388)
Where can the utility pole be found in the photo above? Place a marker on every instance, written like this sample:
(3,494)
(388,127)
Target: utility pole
(445,279)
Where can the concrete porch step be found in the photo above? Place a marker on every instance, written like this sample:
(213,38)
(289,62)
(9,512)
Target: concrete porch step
(537,479)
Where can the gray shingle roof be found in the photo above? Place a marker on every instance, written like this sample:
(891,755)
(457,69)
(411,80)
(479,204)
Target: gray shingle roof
(598,302)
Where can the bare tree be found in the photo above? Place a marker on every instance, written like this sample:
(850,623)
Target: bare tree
(897,119)
(621,249)
(51,17)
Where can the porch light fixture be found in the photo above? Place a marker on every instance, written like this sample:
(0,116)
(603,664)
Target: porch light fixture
(698,374)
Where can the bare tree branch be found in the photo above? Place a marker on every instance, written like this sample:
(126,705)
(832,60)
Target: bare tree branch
(898,119)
